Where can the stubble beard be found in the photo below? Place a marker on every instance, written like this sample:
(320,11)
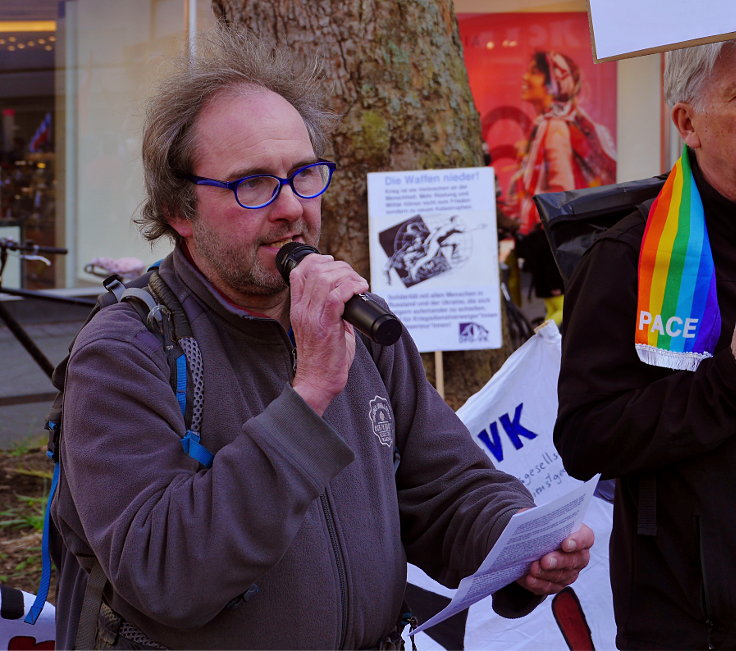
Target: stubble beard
(240,269)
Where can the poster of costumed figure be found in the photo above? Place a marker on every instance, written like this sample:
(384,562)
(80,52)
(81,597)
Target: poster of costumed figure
(548,118)
(548,112)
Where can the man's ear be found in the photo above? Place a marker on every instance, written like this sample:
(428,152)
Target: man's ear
(683,116)
(182,226)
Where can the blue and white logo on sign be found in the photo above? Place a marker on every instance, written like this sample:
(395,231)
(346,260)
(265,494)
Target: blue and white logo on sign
(381,419)
(472,332)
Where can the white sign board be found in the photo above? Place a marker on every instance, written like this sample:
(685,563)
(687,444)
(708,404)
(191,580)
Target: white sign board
(627,28)
(434,255)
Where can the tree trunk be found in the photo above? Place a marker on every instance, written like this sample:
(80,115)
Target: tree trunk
(398,79)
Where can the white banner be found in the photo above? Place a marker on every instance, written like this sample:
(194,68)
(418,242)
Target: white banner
(15,634)
(511,418)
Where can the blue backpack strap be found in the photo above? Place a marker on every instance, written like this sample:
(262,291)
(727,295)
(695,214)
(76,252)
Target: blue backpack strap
(191,442)
(43,587)
(193,448)
(162,312)
(180,383)
(187,372)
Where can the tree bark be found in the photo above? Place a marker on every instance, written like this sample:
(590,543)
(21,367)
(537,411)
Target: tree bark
(398,80)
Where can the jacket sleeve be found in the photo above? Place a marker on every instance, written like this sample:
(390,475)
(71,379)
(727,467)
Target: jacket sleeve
(453,503)
(618,415)
(150,515)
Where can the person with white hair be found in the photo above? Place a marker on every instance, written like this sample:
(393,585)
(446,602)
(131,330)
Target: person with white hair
(647,387)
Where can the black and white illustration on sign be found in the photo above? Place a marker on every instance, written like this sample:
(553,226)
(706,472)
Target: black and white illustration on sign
(417,252)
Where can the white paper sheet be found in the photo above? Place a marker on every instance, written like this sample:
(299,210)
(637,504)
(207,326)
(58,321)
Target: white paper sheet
(528,536)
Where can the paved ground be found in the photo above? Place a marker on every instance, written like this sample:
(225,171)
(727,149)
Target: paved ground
(25,390)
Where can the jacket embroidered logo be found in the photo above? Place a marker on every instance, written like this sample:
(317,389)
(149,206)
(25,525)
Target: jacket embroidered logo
(380,415)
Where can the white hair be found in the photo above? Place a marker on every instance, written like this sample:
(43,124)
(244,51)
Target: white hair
(687,69)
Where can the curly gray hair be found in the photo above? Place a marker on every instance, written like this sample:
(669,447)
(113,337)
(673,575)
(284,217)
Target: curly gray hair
(223,59)
(687,69)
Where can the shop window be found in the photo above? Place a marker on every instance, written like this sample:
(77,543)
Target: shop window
(27,152)
(74,76)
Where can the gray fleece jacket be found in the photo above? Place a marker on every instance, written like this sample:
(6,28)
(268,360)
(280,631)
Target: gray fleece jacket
(307,508)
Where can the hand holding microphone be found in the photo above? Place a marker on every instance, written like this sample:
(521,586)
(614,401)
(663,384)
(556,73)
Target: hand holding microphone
(367,316)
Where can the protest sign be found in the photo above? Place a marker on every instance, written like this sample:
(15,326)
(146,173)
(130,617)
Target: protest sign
(628,28)
(434,255)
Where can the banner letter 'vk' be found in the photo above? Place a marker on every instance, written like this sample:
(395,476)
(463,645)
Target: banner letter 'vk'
(514,430)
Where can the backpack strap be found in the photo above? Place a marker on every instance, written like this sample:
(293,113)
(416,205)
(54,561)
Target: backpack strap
(163,314)
(54,427)
(87,625)
(43,587)
(115,285)
(185,360)
(644,207)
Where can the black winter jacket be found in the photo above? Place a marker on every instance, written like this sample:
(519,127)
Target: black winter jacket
(670,438)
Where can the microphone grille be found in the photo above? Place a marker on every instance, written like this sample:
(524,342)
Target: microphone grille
(290,255)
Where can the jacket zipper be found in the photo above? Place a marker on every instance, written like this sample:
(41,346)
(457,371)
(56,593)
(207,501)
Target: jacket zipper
(340,562)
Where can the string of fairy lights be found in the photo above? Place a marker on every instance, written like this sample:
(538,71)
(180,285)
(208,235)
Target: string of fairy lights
(27,35)
(30,42)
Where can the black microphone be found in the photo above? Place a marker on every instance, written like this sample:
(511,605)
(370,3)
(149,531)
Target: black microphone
(373,320)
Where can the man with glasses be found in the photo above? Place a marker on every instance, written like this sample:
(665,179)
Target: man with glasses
(298,533)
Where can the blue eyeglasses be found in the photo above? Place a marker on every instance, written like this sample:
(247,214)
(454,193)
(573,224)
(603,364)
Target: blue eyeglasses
(259,190)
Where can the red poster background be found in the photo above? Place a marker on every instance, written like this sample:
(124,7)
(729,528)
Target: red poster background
(498,49)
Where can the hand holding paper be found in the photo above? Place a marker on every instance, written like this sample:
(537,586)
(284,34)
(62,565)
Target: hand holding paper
(531,537)
(560,568)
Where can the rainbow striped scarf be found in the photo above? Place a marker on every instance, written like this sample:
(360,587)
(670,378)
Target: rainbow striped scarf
(677,317)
